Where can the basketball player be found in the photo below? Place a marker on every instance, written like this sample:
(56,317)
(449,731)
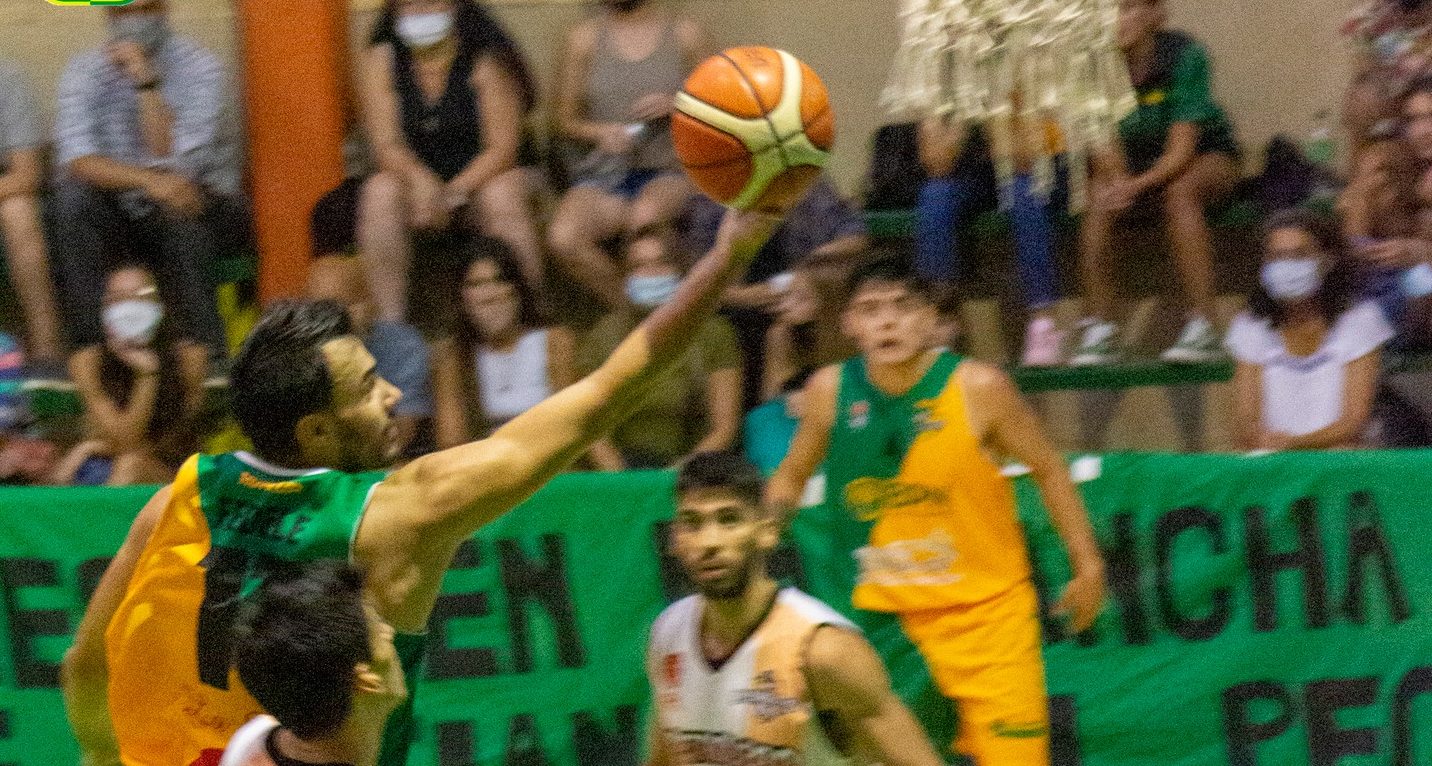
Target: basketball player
(747,672)
(316,657)
(910,435)
(148,680)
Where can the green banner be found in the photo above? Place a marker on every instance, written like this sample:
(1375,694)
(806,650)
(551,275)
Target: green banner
(1270,611)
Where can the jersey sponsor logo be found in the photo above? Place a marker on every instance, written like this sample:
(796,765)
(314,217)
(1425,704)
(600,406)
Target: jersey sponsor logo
(925,420)
(1154,97)
(925,561)
(868,498)
(671,669)
(859,416)
(763,700)
(718,748)
(1019,730)
(277,487)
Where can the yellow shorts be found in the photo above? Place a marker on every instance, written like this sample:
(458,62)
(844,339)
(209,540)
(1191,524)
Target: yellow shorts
(985,658)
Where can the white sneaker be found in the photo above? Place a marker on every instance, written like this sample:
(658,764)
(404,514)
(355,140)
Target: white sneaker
(1197,344)
(1043,344)
(1098,346)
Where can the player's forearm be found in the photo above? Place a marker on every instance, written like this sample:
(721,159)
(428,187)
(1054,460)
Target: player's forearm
(84,680)
(1071,519)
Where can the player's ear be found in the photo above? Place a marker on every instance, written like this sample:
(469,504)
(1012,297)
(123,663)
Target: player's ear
(314,428)
(768,534)
(366,680)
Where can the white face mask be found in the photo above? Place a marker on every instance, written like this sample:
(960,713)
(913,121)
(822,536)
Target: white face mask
(424,30)
(133,321)
(1291,279)
(650,292)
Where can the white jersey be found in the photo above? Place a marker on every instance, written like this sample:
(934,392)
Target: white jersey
(755,708)
(249,745)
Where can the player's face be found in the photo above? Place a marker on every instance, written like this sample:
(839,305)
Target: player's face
(721,541)
(891,324)
(1417,124)
(490,301)
(1139,20)
(360,433)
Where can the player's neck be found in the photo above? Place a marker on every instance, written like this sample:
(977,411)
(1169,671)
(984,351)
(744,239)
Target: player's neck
(898,379)
(1141,56)
(727,622)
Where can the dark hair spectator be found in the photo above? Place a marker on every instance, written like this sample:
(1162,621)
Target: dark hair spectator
(501,357)
(1392,37)
(446,93)
(1308,353)
(24,457)
(620,107)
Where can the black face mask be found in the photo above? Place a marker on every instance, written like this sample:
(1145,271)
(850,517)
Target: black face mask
(1411,5)
(625,6)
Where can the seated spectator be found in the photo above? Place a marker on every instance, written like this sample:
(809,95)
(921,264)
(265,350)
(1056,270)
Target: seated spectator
(1178,148)
(142,389)
(322,662)
(697,407)
(619,77)
(791,342)
(501,357)
(947,198)
(399,353)
(145,165)
(20,175)
(1394,50)
(1309,355)
(24,459)
(1388,209)
(446,93)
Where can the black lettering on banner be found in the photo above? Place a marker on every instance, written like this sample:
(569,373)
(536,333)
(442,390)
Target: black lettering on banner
(1328,743)
(455,743)
(1368,544)
(1166,533)
(1241,735)
(87,576)
(1264,565)
(5,733)
(1064,731)
(524,745)
(1417,683)
(1124,577)
(544,583)
(596,745)
(443,661)
(27,625)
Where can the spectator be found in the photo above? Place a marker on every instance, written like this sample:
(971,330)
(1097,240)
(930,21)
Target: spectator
(145,163)
(791,343)
(142,389)
(501,358)
(1394,50)
(20,173)
(1388,206)
(697,408)
(399,353)
(947,198)
(620,74)
(770,427)
(24,459)
(1308,355)
(1179,147)
(445,95)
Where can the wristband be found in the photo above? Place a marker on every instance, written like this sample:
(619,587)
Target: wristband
(1417,281)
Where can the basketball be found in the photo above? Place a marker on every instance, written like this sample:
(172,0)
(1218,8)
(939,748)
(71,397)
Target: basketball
(753,128)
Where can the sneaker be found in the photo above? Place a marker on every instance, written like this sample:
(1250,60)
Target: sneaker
(1197,344)
(1098,346)
(1043,344)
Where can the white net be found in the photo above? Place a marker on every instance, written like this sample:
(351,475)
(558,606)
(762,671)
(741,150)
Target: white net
(1016,65)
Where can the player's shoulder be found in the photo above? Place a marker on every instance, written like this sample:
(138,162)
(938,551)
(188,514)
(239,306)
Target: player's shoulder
(826,380)
(982,377)
(673,619)
(813,610)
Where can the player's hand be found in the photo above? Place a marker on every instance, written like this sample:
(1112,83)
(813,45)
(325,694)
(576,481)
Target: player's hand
(428,196)
(615,139)
(1083,599)
(176,194)
(653,106)
(131,59)
(745,232)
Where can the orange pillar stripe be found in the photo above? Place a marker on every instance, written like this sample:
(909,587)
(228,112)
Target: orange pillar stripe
(295,65)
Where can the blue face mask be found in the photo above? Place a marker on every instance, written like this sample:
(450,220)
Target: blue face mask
(650,292)
(1291,279)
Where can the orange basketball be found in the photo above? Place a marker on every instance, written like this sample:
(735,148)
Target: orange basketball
(753,127)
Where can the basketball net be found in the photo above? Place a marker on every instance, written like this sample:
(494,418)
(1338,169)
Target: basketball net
(1017,66)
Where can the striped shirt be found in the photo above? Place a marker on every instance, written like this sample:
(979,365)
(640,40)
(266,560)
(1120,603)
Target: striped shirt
(19,123)
(99,114)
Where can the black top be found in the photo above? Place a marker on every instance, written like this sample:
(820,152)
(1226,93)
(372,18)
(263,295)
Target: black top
(445,135)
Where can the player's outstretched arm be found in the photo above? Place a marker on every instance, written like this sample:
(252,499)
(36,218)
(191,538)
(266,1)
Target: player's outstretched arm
(419,516)
(808,448)
(1015,430)
(848,679)
(84,674)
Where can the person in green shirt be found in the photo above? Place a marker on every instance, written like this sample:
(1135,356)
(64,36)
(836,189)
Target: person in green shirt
(696,406)
(1177,147)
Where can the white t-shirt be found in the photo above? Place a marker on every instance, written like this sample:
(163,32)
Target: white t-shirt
(516,381)
(1303,394)
(248,745)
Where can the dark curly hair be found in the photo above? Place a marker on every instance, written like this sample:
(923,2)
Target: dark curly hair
(478,33)
(1339,286)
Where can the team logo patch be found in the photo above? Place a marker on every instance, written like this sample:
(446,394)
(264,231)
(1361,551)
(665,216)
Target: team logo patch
(671,669)
(859,416)
(763,700)
(925,420)
(870,497)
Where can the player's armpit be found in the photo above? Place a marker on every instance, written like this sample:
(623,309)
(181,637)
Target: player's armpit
(808,448)
(84,673)
(848,680)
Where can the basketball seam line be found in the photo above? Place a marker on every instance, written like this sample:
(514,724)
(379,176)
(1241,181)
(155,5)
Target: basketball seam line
(765,110)
(727,133)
